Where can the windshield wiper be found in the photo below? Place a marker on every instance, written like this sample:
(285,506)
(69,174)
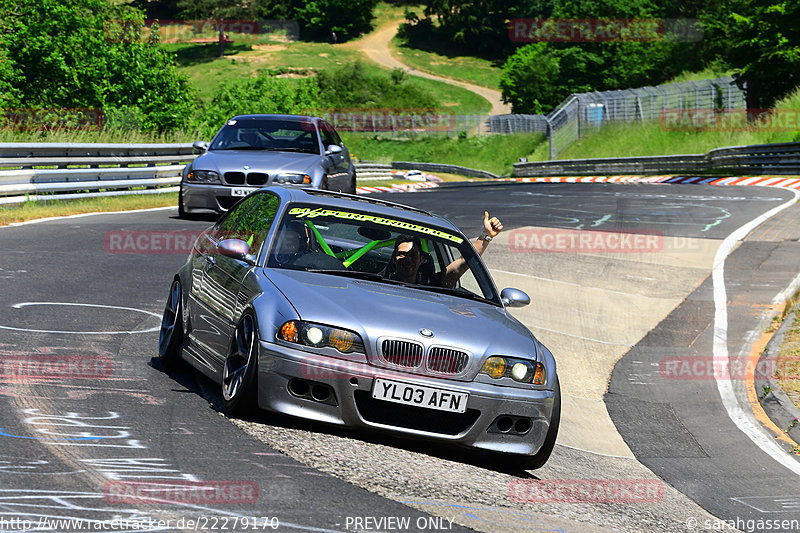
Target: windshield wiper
(358,274)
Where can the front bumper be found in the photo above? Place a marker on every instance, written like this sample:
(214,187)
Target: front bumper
(199,197)
(351,404)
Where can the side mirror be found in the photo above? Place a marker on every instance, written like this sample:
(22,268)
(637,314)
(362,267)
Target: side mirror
(514,297)
(237,249)
(200,146)
(333,149)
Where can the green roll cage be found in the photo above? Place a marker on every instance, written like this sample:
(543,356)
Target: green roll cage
(348,257)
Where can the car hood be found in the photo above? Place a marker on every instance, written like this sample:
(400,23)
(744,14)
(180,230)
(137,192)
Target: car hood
(376,310)
(264,161)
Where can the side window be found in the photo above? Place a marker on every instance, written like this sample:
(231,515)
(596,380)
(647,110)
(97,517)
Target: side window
(329,136)
(223,229)
(249,220)
(335,135)
(254,224)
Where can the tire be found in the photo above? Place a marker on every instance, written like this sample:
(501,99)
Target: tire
(538,460)
(352,188)
(239,383)
(324,184)
(181,211)
(170,340)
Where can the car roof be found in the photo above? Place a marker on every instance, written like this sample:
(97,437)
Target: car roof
(362,202)
(295,118)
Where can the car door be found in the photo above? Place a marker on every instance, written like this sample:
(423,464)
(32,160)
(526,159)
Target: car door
(219,302)
(340,172)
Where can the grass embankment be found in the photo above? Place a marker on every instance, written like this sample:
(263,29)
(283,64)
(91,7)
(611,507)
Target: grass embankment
(248,55)
(653,138)
(32,210)
(449,63)
(789,353)
(495,153)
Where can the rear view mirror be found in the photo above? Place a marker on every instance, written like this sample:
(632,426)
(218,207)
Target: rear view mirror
(334,149)
(514,297)
(201,146)
(237,249)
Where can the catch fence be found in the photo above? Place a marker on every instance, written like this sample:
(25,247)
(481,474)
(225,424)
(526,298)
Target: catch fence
(582,112)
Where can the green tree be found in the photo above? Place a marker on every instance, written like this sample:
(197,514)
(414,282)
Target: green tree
(263,94)
(764,42)
(214,10)
(318,19)
(527,81)
(89,53)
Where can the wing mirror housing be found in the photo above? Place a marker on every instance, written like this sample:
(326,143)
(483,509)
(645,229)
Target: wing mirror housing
(200,146)
(237,249)
(514,297)
(333,149)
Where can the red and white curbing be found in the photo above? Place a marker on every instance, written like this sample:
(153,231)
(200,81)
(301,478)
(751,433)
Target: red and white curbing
(772,181)
(405,187)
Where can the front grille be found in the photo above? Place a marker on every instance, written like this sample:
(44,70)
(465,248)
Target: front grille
(447,360)
(234,178)
(257,178)
(402,353)
(410,417)
(253,178)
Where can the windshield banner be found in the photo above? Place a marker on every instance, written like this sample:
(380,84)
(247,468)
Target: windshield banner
(305,212)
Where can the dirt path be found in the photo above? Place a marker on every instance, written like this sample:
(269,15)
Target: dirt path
(376,46)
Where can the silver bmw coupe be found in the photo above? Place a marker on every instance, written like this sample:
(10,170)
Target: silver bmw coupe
(252,151)
(292,303)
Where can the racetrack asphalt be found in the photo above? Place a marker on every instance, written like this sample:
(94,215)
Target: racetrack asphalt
(156,421)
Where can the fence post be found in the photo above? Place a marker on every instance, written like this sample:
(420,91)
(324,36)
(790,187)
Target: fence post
(550,139)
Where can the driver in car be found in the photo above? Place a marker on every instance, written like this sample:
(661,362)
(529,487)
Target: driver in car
(295,242)
(412,265)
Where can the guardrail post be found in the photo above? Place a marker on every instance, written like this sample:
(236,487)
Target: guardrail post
(552,154)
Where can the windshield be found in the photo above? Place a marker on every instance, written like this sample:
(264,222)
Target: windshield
(268,134)
(388,250)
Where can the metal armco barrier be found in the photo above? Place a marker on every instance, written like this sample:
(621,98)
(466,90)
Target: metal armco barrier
(31,168)
(438,167)
(756,160)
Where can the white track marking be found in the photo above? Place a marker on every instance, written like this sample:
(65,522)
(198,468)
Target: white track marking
(744,420)
(26,304)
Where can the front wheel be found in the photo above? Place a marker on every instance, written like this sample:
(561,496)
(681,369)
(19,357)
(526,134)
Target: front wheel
(352,188)
(239,381)
(181,210)
(170,339)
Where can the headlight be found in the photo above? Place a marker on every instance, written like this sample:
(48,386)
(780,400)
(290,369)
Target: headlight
(304,179)
(203,176)
(521,370)
(319,336)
